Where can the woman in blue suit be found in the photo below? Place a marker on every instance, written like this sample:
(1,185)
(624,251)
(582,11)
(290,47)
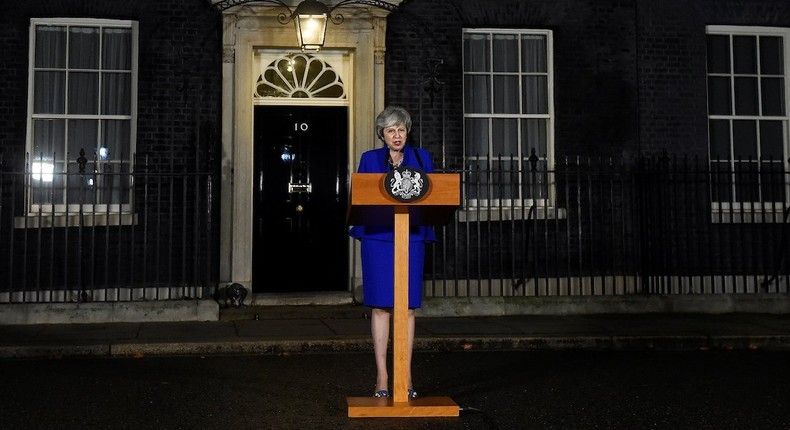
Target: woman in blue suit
(377,244)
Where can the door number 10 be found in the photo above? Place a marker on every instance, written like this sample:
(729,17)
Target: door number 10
(301,126)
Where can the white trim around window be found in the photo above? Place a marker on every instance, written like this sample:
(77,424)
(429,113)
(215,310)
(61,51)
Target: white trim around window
(508,91)
(748,121)
(82,118)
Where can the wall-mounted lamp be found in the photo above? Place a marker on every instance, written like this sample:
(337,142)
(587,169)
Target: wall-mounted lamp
(310,17)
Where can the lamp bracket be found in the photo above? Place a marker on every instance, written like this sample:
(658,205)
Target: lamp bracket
(337,18)
(223,5)
(306,8)
(282,18)
(375,3)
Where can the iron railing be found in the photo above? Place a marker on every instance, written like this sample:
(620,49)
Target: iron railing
(599,227)
(580,227)
(130,230)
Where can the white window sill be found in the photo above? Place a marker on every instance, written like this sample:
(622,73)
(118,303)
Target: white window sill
(474,214)
(45,220)
(746,217)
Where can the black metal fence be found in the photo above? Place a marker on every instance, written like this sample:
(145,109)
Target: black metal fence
(125,230)
(598,227)
(140,230)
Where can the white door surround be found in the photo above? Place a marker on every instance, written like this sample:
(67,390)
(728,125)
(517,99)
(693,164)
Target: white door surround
(360,39)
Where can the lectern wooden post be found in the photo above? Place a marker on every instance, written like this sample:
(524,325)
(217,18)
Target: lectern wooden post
(372,205)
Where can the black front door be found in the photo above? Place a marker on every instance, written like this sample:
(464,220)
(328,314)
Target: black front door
(300,239)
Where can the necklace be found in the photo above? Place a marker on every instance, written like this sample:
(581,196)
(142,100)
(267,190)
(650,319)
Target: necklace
(392,162)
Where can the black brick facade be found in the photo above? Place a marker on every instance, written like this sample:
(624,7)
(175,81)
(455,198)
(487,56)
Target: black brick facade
(180,74)
(629,75)
(629,81)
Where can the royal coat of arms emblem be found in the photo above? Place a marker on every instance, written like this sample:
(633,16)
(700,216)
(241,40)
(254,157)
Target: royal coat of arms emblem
(406,184)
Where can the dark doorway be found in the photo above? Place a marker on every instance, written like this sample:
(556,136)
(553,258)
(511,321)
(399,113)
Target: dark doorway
(300,239)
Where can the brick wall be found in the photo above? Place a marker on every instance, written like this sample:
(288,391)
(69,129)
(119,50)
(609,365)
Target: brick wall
(629,75)
(594,60)
(672,82)
(180,77)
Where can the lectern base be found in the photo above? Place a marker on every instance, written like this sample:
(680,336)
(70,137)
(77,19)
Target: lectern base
(359,407)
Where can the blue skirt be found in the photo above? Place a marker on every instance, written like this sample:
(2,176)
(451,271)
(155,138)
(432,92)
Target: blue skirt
(378,272)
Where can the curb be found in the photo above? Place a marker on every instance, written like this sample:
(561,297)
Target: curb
(431,344)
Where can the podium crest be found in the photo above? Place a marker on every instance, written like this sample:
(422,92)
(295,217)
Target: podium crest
(406,184)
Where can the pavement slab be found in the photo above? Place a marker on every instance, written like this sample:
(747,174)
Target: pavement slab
(310,329)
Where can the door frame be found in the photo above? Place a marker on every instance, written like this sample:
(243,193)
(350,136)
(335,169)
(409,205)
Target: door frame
(245,29)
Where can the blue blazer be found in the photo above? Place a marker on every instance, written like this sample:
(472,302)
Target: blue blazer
(375,161)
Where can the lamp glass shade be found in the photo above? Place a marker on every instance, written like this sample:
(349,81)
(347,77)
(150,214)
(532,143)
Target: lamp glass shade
(311,30)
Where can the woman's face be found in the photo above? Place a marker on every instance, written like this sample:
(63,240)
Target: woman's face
(395,136)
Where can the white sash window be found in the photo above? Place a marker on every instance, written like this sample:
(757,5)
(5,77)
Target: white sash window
(82,97)
(747,70)
(508,116)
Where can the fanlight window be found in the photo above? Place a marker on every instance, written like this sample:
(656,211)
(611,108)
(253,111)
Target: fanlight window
(300,76)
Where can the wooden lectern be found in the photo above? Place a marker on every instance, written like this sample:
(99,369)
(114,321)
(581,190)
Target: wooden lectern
(372,205)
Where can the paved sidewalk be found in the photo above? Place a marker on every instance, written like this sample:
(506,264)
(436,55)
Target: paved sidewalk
(306,329)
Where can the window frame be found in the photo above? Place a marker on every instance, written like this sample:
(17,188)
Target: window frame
(733,205)
(64,206)
(523,155)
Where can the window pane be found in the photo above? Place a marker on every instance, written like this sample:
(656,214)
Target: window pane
(51,46)
(476,137)
(505,53)
(504,133)
(83,93)
(746,96)
(719,139)
(771,181)
(478,94)
(104,182)
(117,49)
(719,102)
(536,94)
(745,54)
(721,182)
(81,188)
(771,55)
(718,53)
(506,94)
(478,181)
(533,54)
(535,180)
(744,135)
(50,92)
(48,138)
(771,140)
(299,65)
(111,183)
(82,134)
(746,186)
(84,48)
(534,136)
(115,141)
(502,179)
(476,52)
(773,96)
(325,79)
(47,181)
(266,90)
(116,93)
